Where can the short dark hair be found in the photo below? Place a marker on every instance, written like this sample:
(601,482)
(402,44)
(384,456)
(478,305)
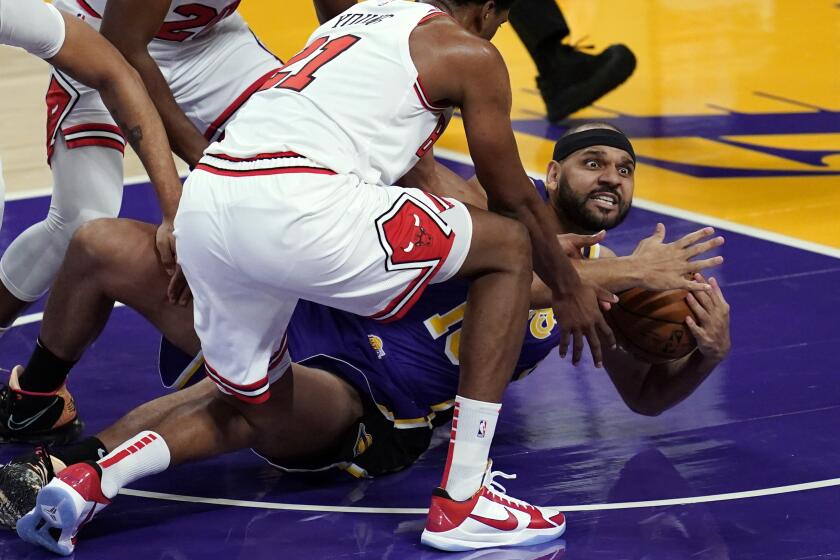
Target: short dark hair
(500,4)
(591,126)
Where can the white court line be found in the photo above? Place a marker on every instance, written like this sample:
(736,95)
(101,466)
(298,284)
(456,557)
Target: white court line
(23,194)
(421,511)
(36,317)
(639,202)
(692,216)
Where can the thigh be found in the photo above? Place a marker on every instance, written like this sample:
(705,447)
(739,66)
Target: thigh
(309,415)
(130,271)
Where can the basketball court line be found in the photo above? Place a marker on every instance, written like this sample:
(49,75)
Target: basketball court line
(831,482)
(642,203)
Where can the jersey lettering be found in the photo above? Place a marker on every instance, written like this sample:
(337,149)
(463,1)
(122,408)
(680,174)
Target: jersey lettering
(439,325)
(360,19)
(318,53)
(199,18)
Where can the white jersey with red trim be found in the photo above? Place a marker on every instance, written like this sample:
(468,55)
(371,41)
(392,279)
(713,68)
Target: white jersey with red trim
(351,100)
(186,20)
(31,25)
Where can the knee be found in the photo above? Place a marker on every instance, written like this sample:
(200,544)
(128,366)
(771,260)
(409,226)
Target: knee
(90,245)
(516,247)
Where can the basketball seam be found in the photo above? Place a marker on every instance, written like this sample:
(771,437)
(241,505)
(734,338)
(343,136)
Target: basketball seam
(635,314)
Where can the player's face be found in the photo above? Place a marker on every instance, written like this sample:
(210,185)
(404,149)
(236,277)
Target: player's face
(594,187)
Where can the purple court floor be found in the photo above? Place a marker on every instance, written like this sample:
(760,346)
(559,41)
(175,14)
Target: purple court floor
(746,468)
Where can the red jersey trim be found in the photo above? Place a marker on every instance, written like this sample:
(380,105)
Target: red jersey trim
(225,116)
(87,9)
(260,172)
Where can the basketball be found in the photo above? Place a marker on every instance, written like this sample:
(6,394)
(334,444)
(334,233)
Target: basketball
(651,325)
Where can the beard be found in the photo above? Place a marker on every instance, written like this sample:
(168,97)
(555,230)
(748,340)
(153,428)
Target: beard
(573,206)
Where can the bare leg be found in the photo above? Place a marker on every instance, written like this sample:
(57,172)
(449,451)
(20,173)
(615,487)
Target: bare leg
(111,260)
(201,422)
(499,264)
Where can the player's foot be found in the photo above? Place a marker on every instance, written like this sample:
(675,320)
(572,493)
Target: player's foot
(37,417)
(63,506)
(20,481)
(489,519)
(570,79)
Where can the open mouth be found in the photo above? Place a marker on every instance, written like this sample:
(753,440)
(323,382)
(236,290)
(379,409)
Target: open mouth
(607,201)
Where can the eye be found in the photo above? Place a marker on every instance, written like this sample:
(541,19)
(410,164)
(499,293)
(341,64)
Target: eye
(591,164)
(626,171)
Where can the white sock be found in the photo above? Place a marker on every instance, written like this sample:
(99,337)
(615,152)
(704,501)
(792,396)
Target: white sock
(473,427)
(143,455)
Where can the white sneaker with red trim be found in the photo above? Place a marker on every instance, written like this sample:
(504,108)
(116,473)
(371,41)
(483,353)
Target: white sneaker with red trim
(63,506)
(489,519)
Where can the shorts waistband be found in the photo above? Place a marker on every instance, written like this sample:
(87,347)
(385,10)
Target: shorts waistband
(261,164)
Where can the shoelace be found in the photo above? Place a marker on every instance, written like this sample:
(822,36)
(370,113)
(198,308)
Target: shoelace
(579,46)
(500,490)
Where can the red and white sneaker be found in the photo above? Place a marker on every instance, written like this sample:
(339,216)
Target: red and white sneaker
(63,506)
(489,519)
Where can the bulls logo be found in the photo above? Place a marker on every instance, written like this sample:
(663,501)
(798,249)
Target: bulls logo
(414,237)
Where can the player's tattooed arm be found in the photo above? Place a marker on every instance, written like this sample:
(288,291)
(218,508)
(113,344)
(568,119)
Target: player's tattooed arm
(130,25)
(328,9)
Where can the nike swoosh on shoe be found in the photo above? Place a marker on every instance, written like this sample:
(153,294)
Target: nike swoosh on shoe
(508,524)
(14,425)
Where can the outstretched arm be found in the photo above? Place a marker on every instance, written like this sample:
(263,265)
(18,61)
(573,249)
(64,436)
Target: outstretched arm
(470,73)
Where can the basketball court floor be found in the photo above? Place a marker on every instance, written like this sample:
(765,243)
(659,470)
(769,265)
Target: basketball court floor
(734,111)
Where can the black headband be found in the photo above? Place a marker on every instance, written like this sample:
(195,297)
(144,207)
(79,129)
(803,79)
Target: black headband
(592,137)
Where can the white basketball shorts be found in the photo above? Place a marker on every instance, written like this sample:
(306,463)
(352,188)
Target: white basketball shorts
(256,235)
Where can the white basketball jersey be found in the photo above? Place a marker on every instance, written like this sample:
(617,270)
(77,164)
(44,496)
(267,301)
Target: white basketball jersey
(186,20)
(350,101)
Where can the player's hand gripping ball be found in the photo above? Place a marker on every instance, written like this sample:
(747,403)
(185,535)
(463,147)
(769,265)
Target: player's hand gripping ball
(651,325)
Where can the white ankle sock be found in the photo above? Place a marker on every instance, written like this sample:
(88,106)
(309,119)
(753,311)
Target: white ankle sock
(473,427)
(143,455)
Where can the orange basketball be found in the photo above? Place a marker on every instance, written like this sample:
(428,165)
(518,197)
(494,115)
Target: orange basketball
(651,325)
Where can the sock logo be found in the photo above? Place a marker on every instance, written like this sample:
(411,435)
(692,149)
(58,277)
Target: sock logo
(482,429)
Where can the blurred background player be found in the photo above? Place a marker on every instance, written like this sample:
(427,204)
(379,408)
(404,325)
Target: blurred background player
(387,384)
(199,68)
(569,79)
(78,53)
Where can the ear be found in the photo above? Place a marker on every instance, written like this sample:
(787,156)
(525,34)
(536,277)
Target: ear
(552,174)
(487,10)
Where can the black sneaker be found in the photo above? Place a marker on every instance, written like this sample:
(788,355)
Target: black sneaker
(20,481)
(35,418)
(571,79)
